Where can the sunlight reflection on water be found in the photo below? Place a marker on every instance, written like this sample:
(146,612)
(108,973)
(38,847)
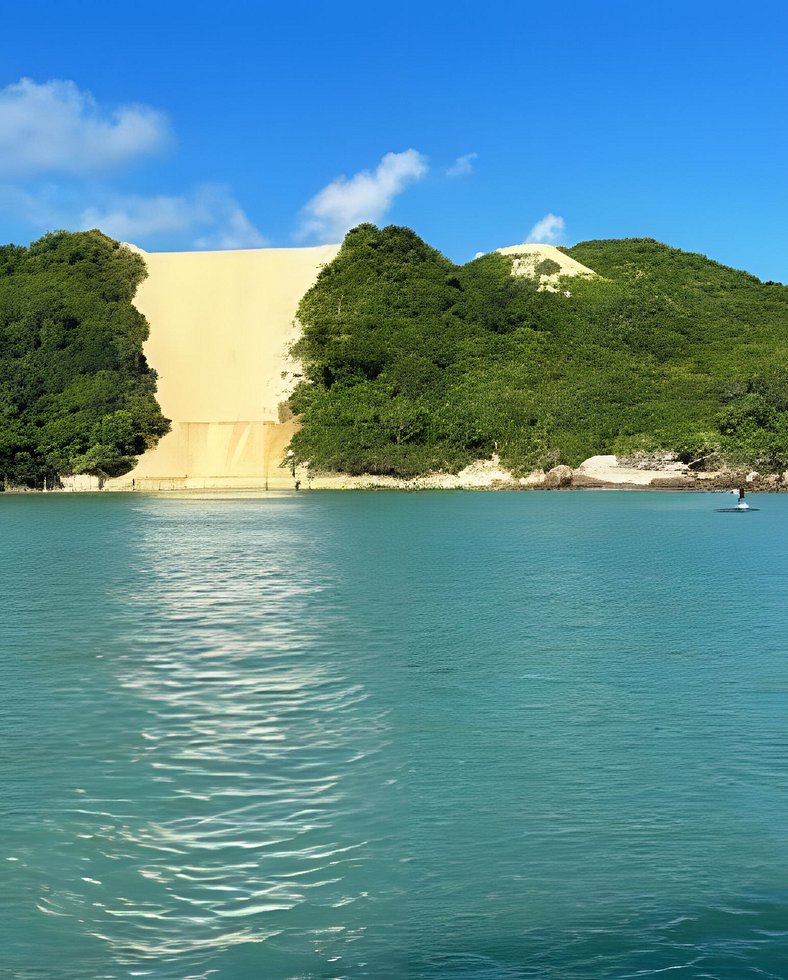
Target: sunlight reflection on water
(484,736)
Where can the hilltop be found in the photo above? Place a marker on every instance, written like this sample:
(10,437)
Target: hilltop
(414,364)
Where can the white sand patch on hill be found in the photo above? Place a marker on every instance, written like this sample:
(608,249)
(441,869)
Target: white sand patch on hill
(527,258)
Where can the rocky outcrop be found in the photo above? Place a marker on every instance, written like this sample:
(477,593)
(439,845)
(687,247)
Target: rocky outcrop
(677,482)
(557,477)
(727,479)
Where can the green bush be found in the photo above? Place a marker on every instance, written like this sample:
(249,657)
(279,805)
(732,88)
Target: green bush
(76,394)
(547,267)
(413,363)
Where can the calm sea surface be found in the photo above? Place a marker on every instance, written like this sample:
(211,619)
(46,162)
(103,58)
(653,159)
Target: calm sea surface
(438,735)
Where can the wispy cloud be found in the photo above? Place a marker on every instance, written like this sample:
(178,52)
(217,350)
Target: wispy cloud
(211,213)
(208,217)
(57,128)
(135,217)
(366,196)
(234,230)
(462,166)
(548,230)
(56,141)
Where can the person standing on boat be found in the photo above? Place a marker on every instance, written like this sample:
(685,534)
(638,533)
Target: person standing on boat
(742,504)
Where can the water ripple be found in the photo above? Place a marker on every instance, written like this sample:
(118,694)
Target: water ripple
(484,736)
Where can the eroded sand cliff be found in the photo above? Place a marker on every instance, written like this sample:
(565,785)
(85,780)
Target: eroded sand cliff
(221,324)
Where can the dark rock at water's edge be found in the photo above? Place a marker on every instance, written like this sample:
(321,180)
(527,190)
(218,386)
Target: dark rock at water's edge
(678,482)
(558,476)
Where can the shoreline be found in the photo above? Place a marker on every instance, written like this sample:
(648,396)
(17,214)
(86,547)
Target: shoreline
(596,473)
(279,491)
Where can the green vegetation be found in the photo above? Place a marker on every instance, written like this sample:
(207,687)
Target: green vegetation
(76,394)
(547,267)
(414,364)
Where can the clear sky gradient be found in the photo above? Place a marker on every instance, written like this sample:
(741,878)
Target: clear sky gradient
(228,124)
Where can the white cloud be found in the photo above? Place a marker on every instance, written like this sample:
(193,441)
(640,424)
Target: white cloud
(210,212)
(462,166)
(234,231)
(55,127)
(366,196)
(134,217)
(548,230)
(55,138)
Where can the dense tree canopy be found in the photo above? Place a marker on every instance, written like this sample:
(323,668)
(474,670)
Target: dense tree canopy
(76,394)
(414,364)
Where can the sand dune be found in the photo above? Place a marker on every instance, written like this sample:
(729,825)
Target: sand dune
(221,324)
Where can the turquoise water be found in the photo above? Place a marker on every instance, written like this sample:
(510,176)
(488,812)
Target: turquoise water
(440,735)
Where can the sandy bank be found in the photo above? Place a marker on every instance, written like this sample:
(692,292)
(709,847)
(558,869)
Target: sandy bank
(221,324)
(595,473)
(608,470)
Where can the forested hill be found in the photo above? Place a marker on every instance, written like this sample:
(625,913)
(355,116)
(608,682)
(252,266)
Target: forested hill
(76,394)
(415,364)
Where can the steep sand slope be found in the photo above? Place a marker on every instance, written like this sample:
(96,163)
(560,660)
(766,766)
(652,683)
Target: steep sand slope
(529,256)
(220,327)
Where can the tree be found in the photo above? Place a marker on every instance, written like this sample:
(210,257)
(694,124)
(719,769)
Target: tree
(76,393)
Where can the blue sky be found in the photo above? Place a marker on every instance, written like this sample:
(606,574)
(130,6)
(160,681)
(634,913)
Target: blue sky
(181,125)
